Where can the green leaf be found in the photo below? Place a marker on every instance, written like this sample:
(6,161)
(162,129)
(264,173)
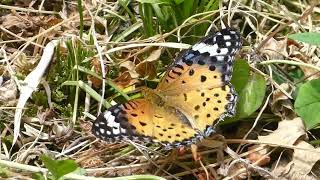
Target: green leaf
(38,176)
(307,104)
(156,1)
(146,16)
(240,75)
(312,38)
(251,96)
(178,1)
(59,168)
(187,8)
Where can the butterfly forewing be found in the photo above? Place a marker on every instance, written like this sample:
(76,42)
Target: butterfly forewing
(143,120)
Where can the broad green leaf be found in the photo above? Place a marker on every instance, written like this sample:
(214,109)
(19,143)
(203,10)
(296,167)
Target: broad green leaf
(59,168)
(307,104)
(240,75)
(251,96)
(312,38)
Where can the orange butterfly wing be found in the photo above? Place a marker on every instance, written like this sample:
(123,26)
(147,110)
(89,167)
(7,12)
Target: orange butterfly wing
(145,120)
(192,97)
(197,84)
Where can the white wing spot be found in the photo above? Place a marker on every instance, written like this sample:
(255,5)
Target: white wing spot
(199,46)
(226,37)
(220,58)
(224,50)
(111,121)
(228,43)
(123,131)
(116,130)
(108,132)
(116,110)
(102,130)
(106,114)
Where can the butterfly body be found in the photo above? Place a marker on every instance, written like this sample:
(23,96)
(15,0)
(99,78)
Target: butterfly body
(193,96)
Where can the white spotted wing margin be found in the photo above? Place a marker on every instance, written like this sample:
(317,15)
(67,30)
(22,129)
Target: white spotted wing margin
(112,126)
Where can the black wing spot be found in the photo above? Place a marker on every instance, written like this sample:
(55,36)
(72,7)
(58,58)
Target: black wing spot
(160,134)
(185,96)
(158,126)
(177,73)
(219,101)
(197,107)
(170,76)
(183,82)
(208,115)
(189,63)
(216,95)
(142,123)
(178,135)
(213,59)
(212,68)
(228,97)
(216,109)
(134,115)
(203,78)
(196,116)
(215,77)
(202,94)
(179,66)
(201,62)
(204,104)
(164,130)
(184,132)
(169,137)
(208,99)
(172,124)
(191,72)
(125,106)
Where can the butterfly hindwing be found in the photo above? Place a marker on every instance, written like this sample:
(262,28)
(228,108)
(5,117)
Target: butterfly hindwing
(206,107)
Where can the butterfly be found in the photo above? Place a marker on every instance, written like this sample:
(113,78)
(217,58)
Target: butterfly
(192,97)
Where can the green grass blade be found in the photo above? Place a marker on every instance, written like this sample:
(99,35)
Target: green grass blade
(85,87)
